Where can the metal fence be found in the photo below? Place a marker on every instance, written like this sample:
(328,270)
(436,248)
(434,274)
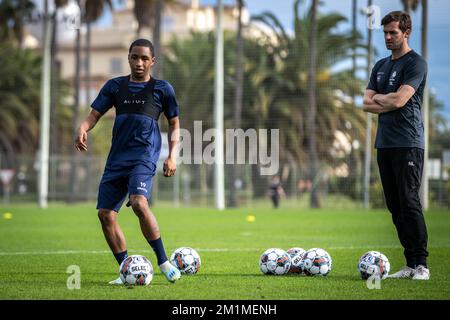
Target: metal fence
(269,83)
(193,185)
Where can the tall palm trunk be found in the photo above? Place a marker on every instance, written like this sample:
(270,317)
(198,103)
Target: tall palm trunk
(76,111)
(425,107)
(312,146)
(56,69)
(237,119)
(368,142)
(159,7)
(407,7)
(410,5)
(54,85)
(93,10)
(354,16)
(87,56)
(19,23)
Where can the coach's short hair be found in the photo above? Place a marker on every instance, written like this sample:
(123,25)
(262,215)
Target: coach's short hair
(402,17)
(143,43)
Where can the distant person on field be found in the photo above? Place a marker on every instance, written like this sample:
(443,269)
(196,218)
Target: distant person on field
(395,93)
(275,191)
(138,99)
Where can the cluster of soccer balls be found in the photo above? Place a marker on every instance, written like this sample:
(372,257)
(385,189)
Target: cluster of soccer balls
(317,261)
(138,270)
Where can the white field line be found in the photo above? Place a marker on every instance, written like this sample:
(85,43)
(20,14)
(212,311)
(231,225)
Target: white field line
(67,252)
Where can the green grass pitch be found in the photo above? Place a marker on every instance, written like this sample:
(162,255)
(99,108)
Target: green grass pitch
(37,246)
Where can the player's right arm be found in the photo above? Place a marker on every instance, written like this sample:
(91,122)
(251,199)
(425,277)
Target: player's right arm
(85,126)
(101,104)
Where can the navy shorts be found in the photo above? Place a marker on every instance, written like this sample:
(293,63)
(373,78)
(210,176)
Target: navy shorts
(114,187)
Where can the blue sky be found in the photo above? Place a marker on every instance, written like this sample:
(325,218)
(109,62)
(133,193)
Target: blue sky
(438,34)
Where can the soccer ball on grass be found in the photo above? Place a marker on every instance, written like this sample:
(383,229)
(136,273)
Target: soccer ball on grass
(316,261)
(186,259)
(274,261)
(136,270)
(296,255)
(373,264)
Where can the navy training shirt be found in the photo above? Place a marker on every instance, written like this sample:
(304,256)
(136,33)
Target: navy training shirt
(402,127)
(136,138)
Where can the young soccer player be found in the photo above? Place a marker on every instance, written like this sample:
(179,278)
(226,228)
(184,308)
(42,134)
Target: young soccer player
(138,99)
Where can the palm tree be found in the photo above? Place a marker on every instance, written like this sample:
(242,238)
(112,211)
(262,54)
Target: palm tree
(12,19)
(76,112)
(19,112)
(148,13)
(410,5)
(238,95)
(354,16)
(144,14)
(159,8)
(276,86)
(331,87)
(54,145)
(92,12)
(184,60)
(193,58)
(261,109)
(311,123)
(426,104)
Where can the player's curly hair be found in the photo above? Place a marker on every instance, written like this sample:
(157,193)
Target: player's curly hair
(143,43)
(402,17)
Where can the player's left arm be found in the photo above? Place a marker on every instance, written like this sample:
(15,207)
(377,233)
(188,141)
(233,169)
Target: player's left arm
(173,136)
(171,111)
(396,99)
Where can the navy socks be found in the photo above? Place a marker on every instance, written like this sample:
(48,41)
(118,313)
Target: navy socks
(121,256)
(158,247)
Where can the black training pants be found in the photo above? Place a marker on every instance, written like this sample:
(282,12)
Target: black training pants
(401,174)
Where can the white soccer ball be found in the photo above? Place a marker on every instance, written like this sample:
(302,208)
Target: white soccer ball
(186,259)
(373,264)
(274,261)
(296,255)
(316,261)
(136,270)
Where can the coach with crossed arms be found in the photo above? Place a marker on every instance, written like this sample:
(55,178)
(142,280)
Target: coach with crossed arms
(395,93)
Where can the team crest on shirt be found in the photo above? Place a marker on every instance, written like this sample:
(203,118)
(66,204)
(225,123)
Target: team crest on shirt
(379,75)
(392,78)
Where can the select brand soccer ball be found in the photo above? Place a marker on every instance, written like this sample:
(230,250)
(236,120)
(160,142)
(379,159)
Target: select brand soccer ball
(316,261)
(296,255)
(373,264)
(136,270)
(186,259)
(274,261)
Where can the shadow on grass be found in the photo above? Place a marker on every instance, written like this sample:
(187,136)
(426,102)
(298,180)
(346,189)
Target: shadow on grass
(353,279)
